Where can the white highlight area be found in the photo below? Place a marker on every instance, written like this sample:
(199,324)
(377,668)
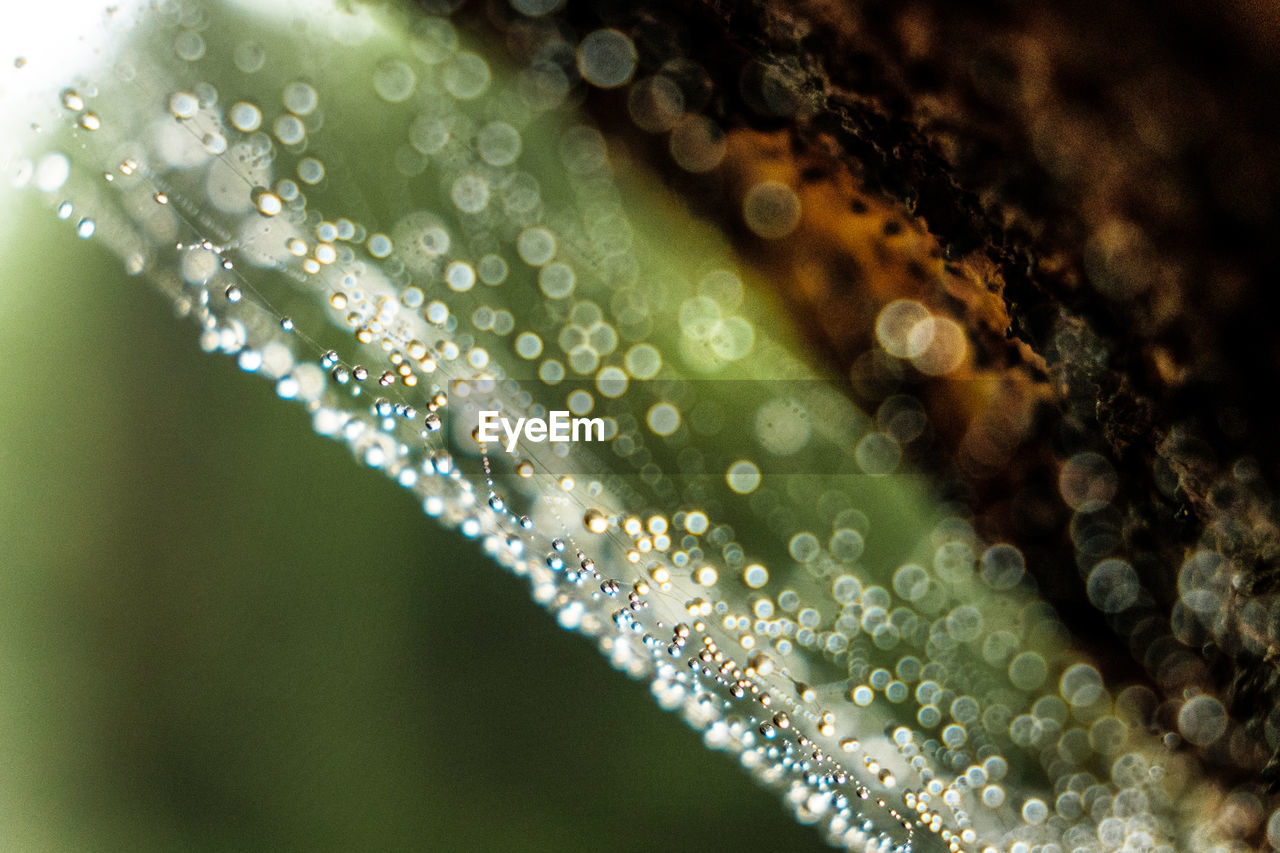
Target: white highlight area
(49,42)
(42,47)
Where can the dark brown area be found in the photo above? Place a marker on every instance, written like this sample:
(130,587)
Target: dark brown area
(1091,187)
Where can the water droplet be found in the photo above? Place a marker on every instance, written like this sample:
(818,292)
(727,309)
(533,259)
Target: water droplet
(536,246)
(1202,720)
(595,521)
(189,45)
(249,56)
(498,143)
(697,144)
(466,76)
(706,576)
(460,276)
(245,117)
(743,477)
(607,58)
(233,293)
(85,228)
(183,105)
(655,103)
(394,81)
(771,209)
(311,171)
(290,130)
(1113,586)
(470,193)
(267,202)
(557,281)
(214,143)
(300,98)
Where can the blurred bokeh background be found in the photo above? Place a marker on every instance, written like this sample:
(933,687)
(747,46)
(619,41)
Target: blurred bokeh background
(217,632)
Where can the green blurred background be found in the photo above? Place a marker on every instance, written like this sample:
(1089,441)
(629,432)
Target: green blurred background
(217,632)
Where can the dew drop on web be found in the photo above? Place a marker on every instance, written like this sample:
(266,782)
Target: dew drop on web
(886,669)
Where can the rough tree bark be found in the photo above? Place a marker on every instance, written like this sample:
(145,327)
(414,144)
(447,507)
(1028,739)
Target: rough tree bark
(1091,189)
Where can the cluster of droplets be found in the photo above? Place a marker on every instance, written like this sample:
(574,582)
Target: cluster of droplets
(886,670)
(668,94)
(1214,604)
